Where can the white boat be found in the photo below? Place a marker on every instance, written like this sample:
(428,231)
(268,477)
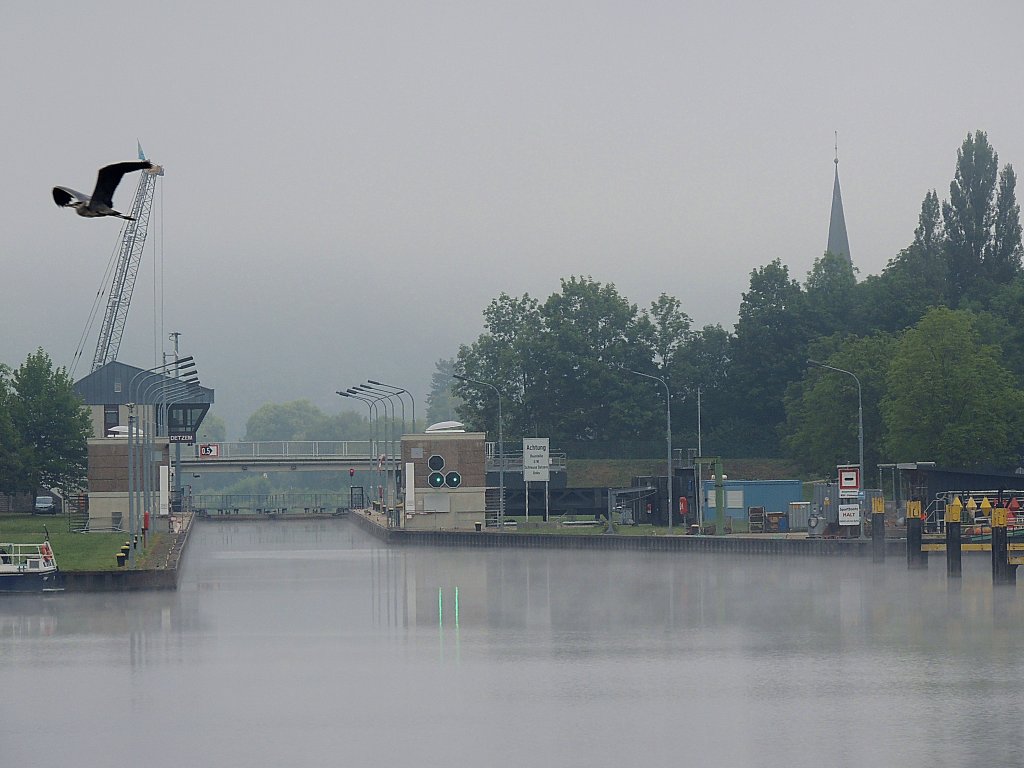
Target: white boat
(28,568)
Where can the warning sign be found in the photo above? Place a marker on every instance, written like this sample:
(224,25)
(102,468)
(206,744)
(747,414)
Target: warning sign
(849,481)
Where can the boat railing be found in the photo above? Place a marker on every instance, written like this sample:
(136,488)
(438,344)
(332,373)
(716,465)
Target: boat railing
(25,557)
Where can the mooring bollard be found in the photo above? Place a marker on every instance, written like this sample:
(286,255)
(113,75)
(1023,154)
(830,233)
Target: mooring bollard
(916,558)
(1002,571)
(953,561)
(877,529)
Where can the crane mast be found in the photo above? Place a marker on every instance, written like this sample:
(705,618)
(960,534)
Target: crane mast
(133,241)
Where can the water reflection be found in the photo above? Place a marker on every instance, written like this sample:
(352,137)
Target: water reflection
(304,642)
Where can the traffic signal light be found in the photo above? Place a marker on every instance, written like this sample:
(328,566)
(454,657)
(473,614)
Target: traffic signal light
(437,479)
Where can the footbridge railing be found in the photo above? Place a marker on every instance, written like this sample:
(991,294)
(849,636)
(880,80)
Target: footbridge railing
(289,449)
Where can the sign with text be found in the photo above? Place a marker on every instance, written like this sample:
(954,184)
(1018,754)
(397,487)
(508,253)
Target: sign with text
(849,514)
(849,481)
(209,450)
(536,459)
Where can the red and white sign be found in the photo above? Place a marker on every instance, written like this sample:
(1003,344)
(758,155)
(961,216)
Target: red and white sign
(849,481)
(209,450)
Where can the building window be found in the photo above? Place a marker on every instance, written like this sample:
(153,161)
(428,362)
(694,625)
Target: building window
(111,418)
(117,385)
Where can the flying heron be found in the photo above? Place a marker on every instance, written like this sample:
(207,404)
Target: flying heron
(102,201)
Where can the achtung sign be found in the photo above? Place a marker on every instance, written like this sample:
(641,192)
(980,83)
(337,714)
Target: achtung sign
(536,459)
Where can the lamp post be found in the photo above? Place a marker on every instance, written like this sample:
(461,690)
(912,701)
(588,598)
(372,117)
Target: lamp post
(860,423)
(384,393)
(501,449)
(399,390)
(170,391)
(668,435)
(376,398)
(386,396)
(371,407)
(178,395)
(181,364)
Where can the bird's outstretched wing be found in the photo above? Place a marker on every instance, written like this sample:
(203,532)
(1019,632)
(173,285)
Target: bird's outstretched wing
(110,176)
(63,196)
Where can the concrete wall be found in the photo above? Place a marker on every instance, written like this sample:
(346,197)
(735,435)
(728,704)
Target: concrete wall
(465,506)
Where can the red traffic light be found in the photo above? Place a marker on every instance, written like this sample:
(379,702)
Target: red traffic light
(351,472)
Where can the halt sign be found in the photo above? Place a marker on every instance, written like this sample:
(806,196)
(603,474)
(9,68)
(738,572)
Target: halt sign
(849,514)
(849,481)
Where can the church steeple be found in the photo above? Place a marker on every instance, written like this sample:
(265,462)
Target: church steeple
(838,243)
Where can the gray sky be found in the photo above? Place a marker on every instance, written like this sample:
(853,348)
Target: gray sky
(349,184)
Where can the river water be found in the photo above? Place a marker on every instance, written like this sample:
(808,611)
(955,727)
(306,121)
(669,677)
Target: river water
(309,643)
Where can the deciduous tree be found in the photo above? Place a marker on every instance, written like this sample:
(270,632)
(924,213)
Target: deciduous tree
(822,428)
(949,398)
(52,424)
(768,351)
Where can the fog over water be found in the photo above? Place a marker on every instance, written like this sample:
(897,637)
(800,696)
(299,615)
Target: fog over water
(309,643)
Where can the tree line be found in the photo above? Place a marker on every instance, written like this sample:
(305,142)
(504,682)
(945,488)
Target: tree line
(936,341)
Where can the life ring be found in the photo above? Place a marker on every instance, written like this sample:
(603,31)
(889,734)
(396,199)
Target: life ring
(45,551)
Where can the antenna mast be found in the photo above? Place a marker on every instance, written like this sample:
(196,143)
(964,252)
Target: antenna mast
(133,240)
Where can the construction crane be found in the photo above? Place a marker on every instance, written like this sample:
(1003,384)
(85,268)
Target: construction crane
(133,240)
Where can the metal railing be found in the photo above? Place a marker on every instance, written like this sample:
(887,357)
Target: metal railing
(205,504)
(289,449)
(512,461)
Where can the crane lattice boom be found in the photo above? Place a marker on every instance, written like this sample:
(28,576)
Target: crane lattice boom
(133,241)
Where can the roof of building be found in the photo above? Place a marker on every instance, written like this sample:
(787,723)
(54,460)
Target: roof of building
(118,383)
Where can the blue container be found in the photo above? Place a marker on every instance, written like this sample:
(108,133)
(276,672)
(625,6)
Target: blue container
(784,524)
(773,495)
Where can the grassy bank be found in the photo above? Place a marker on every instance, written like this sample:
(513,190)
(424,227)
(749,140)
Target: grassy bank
(74,551)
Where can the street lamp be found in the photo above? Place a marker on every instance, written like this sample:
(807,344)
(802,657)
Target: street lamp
(374,420)
(399,390)
(180,364)
(860,421)
(501,449)
(376,391)
(385,397)
(668,433)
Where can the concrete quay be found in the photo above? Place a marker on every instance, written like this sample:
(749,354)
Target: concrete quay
(750,544)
